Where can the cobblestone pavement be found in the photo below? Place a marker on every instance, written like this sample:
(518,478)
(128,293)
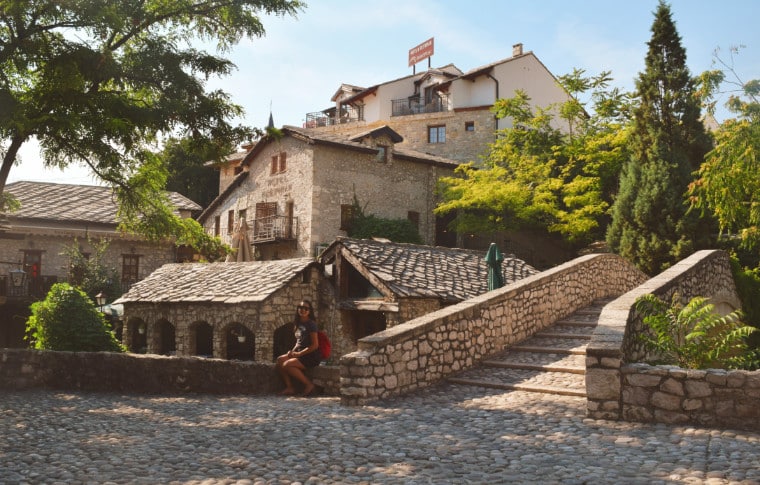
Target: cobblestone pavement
(446,435)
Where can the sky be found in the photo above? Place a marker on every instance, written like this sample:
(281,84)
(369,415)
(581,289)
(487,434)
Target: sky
(301,62)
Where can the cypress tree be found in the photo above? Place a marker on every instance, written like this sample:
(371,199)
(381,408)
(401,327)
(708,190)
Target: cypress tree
(650,224)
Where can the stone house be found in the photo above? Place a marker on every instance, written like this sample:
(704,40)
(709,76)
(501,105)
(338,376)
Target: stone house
(55,216)
(378,284)
(443,111)
(234,310)
(296,192)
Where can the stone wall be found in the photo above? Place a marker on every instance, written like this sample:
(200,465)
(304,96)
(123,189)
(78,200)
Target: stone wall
(421,352)
(620,388)
(154,374)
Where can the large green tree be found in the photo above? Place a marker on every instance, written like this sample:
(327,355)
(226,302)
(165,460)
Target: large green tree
(650,226)
(555,169)
(99,82)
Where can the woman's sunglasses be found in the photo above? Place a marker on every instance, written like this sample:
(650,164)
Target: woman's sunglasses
(301,307)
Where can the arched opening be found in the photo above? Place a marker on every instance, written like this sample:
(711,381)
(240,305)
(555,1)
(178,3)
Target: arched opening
(284,340)
(167,342)
(203,339)
(240,343)
(137,336)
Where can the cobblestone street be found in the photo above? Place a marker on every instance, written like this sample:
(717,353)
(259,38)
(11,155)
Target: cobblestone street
(445,435)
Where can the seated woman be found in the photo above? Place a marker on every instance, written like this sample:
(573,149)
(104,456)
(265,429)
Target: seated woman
(305,353)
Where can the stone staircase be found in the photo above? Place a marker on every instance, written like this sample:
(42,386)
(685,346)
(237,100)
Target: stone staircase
(552,361)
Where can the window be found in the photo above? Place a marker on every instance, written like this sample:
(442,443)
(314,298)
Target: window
(437,134)
(130,267)
(217,225)
(33,263)
(469,126)
(279,163)
(230,221)
(241,215)
(382,153)
(414,218)
(346,216)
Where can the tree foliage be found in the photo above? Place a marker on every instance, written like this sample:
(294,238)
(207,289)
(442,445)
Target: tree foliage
(650,225)
(694,336)
(67,320)
(100,83)
(89,272)
(728,183)
(556,168)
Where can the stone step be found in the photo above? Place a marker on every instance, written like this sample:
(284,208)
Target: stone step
(553,345)
(561,383)
(575,364)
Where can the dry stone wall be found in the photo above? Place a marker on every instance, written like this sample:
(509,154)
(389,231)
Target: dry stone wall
(421,352)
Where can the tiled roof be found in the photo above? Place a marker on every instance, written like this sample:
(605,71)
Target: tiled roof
(74,203)
(411,270)
(215,282)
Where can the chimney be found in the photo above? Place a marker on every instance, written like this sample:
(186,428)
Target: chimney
(517,50)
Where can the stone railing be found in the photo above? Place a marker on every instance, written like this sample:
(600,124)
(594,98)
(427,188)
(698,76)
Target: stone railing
(619,388)
(149,374)
(422,351)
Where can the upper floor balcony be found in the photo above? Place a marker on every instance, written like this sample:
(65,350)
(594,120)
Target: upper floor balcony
(328,117)
(414,105)
(34,287)
(274,229)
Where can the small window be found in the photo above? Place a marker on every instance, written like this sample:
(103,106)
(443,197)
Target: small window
(382,153)
(217,225)
(346,215)
(241,215)
(130,267)
(437,134)
(230,221)
(279,163)
(306,275)
(469,126)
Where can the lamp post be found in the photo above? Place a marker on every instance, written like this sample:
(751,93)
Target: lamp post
(100,299)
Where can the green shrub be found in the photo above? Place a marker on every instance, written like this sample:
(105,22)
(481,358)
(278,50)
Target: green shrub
(67,320)
(367,226)
(694,336)
(748,287)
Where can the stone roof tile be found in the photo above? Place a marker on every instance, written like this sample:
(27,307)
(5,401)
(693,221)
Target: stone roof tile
(215,282)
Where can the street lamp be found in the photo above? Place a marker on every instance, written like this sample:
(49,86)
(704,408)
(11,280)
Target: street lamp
(17,277)
(100,299)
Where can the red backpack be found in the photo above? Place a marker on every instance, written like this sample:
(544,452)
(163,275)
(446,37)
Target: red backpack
(324,344)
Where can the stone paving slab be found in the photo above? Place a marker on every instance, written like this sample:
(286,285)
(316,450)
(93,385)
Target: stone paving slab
(444,435)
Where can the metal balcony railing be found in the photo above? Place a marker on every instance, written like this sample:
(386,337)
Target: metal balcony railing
(274,228)
(319,119)
(415,105)
(33,287)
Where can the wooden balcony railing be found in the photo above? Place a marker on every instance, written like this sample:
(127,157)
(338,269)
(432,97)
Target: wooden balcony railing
(274,228)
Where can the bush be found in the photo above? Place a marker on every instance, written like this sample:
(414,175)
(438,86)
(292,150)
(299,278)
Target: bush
(367,226)
(68,320)
(748,287)
(694,336)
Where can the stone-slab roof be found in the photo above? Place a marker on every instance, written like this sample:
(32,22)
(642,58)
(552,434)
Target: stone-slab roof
(215,282)
(74,203)
(411,270)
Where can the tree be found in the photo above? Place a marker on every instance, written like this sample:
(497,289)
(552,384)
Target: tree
(188,173)
(728,183)
(650,225)
(366,226)
(556,168)
(67,320)
(89,272)
(99,82)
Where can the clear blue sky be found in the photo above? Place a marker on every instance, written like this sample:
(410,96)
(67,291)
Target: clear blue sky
(301,62)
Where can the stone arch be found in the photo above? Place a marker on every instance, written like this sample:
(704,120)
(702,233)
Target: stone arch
(725,302)
(135,335)
(166,338)
(201,339)
(239,342)
(284,340)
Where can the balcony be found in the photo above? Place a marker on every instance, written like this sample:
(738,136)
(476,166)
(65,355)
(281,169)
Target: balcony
(415,105)
(274,229)
(32,288)
(349,114)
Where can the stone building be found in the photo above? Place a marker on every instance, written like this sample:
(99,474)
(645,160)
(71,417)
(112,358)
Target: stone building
(296,192)
(55,216)
(378,284)
(442,111)
(238,311)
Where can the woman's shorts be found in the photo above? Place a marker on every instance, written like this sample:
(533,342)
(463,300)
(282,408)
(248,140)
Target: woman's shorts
(312,359)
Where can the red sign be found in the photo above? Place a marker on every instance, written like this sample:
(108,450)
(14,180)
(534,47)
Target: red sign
(421,52)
